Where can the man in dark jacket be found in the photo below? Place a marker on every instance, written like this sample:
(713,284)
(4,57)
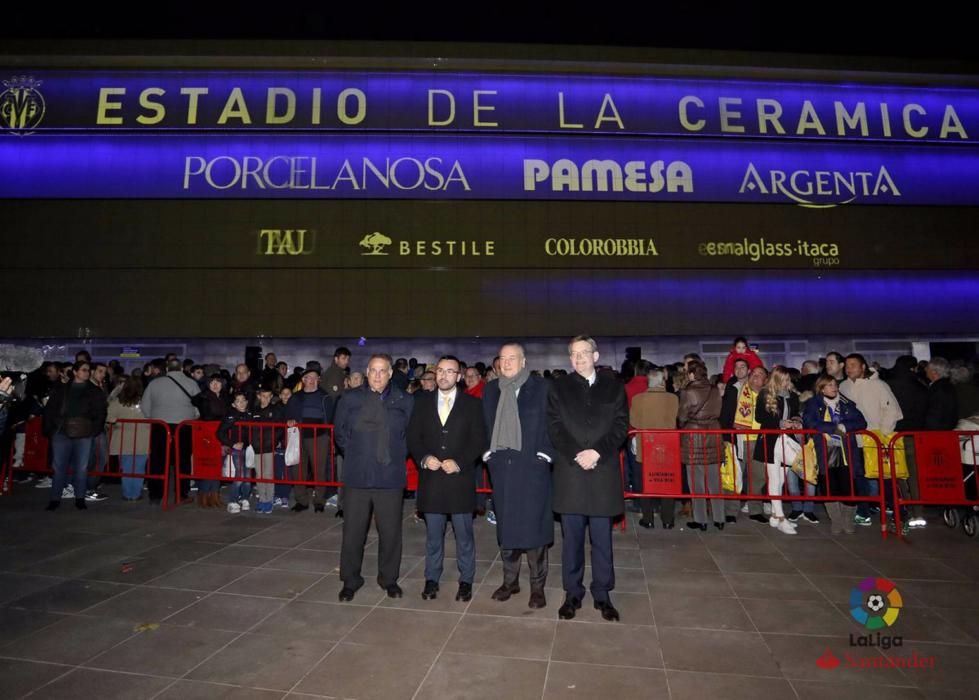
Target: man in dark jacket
(336,372)
(74,415)
(587,418)
(912,397)
(911,394)
(312,406)
(371,424)
(519,460)
(446,436)
(942,411)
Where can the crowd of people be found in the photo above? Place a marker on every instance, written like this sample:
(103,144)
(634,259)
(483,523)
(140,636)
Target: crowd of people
(549,440)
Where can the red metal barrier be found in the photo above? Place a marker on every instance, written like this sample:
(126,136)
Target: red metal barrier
(944,468)
(663,459)
(250,433)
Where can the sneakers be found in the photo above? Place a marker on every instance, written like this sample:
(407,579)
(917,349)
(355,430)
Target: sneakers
(332,501)
(68,491)
(244,505)
(95,497)
(811,518)
(917,523)
(234,507)
(783,526)
(862,520)
(744,508)
(264,507)
(285,502)
(491,517)
(277,502)
(44,483)
(794,516)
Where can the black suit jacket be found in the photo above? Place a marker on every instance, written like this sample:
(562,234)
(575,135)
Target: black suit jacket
(462,438)
(582,417)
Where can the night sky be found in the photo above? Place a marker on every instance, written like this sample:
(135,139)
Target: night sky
(826,29)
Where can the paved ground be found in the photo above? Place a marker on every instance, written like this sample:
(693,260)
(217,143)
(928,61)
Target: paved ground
(124,601)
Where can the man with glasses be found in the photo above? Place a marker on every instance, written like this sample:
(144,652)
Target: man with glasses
(446,436)
(519,460)
(588,419)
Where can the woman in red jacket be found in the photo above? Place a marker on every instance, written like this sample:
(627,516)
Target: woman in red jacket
(740,351)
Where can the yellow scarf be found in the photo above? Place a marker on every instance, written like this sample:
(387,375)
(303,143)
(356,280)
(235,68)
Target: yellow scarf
(744,416)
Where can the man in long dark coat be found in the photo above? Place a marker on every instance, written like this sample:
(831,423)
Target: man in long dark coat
(588,419)
(446,436)
(519,460)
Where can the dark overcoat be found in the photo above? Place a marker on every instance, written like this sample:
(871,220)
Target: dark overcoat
(361,468)
(462,438)
(582,417)
(522,479)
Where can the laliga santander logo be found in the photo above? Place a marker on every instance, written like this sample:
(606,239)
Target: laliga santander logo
(875,603)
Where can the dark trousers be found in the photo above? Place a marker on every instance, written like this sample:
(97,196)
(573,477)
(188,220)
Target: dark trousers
(667,509)
(358,505)
(573,555)
(158,456)
(315,464)
(536,562)
(462,526)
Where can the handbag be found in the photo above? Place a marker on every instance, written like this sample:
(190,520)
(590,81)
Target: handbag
(77,427)
(74,426)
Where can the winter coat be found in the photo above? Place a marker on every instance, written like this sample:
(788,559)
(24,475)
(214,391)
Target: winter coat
(582,417)
(700,409)
(522,489)
(749,356)
(462,439)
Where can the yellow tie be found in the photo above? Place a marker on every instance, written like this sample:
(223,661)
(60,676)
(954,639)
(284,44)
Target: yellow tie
(444,408)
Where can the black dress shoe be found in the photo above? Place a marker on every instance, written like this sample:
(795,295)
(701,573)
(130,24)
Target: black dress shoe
(697,526)
(465,593)
(719,526)
(731,519)
(319,508)
(667,526)
(339,513)
(537,599)
(431,591)
(394,591)
(608,610)
(648,524)
(504,592)
(53,505)
(759,518)
(346,594)
(80,503)
(570,607)
(299,508)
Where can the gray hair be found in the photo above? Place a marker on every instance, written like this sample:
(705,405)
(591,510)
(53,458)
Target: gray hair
(593,346)
(939,365)
(657,379)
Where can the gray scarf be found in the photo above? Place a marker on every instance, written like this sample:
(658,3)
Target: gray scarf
(506,427)
(374,419)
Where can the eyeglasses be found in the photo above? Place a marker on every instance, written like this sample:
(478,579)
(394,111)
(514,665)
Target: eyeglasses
(446,371)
